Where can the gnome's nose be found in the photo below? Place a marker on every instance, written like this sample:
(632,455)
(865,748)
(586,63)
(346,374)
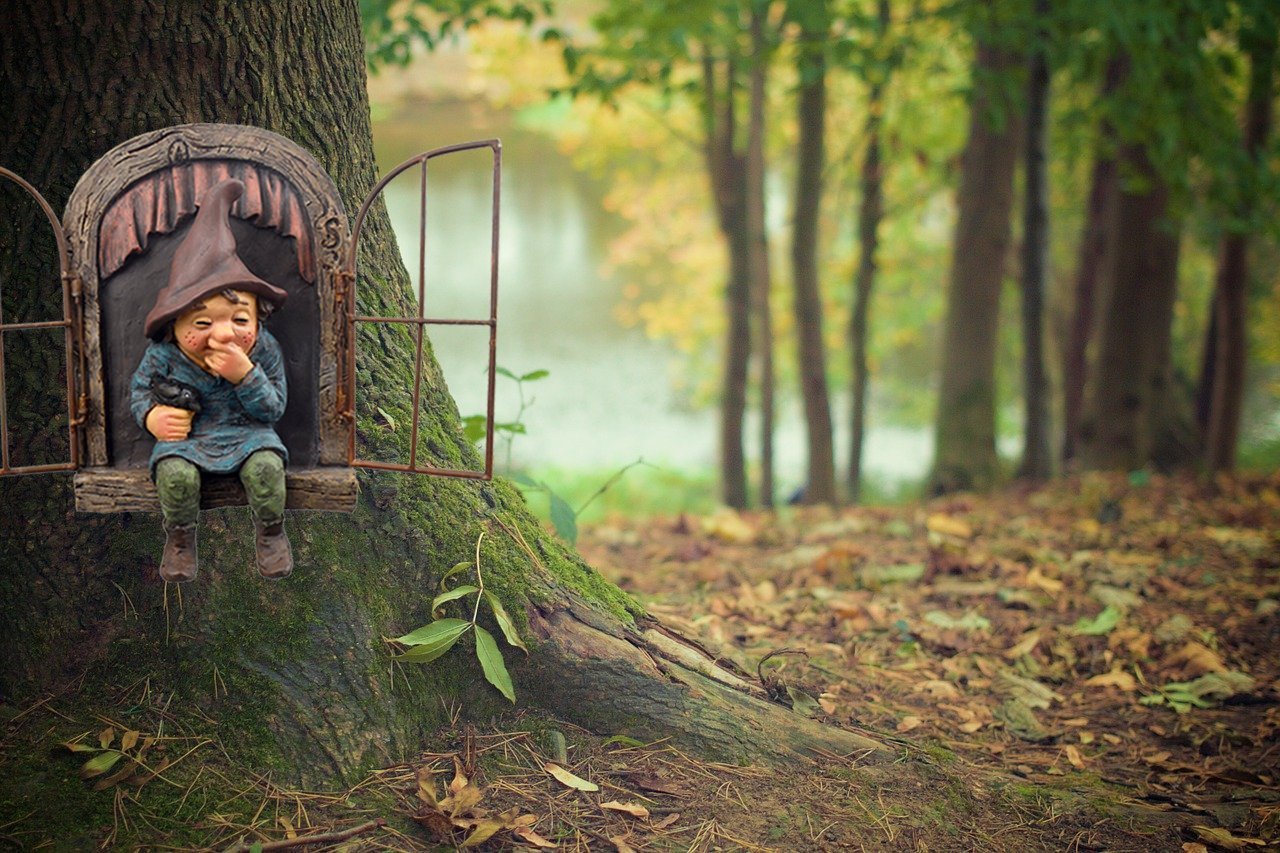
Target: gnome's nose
(223,331)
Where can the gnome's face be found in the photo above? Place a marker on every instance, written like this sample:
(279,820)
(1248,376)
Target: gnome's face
(216,324)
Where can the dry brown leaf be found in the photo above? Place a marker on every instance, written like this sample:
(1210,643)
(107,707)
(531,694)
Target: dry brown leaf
(1025,645)
(1074,756)
(948,525)
(1036,578)
(1224,839)
(938,689)
(633,809)
(727,526)
(569,780)
(1197,659)
(427,786)
(1076,722)
(909,723)
(1115,678)
(621,845)
(666,821)
(1194,847)
(533,839)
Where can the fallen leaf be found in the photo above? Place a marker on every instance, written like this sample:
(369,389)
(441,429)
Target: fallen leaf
(1197,659)
(1074,756)
(1115,678)
(727,526)
(909,723)
(1194,847)
(533,839)
(633,809)
(621,845)
(1030,692)
(567,779)
(1050,585)
(1224,839)
(1024,646)
(948,525)
(666,821)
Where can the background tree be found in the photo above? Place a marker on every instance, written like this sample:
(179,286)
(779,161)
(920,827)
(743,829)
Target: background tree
(870,213)
(1228,340)
(814,23)
(965,452)
(1036,458)
(294,677)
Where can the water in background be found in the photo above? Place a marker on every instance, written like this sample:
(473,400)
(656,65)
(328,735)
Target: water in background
(608,400)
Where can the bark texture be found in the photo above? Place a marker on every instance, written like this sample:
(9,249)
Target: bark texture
(1094,243)
(1037,462)
(811,113)
(758,244)
(293,676)
(1129,405)
(1230,306)
(966,421)
(726,166)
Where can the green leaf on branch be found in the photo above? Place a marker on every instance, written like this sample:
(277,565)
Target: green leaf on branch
(504,622)
(563,518)
(431,641)
(457,568)
(534,375)
(100,763)
(495,670)
(453,595)
(474,427)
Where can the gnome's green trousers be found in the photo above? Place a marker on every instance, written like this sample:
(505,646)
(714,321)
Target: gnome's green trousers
(178,482)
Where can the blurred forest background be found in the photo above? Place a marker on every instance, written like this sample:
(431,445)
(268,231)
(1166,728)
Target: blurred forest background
(841,250)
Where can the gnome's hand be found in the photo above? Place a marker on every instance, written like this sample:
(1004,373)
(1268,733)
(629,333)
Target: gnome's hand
(168,423)
(228,361)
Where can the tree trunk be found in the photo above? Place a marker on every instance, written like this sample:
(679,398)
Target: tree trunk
(870,212)
(1231,287)
(811,112)
(1128,403)
(293,677)
(726,166)
(757,225)
(1037,461)
(1094,243)
(966,421)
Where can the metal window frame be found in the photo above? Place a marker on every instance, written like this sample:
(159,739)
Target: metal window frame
(71,323)
(347,295)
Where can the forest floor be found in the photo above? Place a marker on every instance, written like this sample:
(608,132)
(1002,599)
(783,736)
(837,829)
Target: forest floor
(1087,666)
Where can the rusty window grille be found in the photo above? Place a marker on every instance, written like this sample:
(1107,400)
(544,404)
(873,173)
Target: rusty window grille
(73,331)
(419,322)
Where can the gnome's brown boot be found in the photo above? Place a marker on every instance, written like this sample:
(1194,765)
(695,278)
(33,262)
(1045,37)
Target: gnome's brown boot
(275,557)
(178,562)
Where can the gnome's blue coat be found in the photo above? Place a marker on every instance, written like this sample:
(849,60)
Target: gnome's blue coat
(235,420)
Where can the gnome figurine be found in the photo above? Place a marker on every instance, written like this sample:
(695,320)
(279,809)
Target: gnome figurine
(209,388)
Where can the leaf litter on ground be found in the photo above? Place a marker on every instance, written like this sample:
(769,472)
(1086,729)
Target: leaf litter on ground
(1116,626)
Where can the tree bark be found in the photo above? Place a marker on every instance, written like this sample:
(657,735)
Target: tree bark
(726,166)
(758,251)
(870,212)
(1230,341)
(811,109)
(293,677)
(965,453)
(1128,405)
(1037,461)
(1094,243)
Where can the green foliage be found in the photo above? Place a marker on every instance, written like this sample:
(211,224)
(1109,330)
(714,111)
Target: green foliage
(393,29)
(435,639)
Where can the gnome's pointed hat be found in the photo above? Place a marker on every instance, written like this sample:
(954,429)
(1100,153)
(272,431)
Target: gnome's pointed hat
(206,261)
